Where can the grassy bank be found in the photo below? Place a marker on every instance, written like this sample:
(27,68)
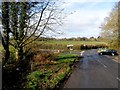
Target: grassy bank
(50,75)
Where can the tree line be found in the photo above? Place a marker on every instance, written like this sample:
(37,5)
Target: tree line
(99,38)
(111,27)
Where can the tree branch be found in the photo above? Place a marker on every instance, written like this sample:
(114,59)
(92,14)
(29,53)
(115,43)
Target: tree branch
(41,15)
(41,31)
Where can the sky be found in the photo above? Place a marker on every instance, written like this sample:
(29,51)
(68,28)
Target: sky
(86,17)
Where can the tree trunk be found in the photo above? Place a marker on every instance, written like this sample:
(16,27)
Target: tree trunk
(19,57)
(6,30)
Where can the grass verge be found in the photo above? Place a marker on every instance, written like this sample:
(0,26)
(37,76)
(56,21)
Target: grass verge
(49,76)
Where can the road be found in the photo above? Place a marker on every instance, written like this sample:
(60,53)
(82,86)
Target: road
(94,71)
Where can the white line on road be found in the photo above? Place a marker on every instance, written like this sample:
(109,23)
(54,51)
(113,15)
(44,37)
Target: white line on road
(105,66)
(102,64)
(115,61)
(112,59)
(82,53)
(118,78)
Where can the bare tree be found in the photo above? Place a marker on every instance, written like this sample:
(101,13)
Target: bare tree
(110,27)
(29,21)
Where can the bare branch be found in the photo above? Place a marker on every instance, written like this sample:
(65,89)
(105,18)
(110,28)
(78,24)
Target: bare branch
(41,15)
(41,31)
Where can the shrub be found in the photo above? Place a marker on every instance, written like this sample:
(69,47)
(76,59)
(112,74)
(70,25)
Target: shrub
(43,56)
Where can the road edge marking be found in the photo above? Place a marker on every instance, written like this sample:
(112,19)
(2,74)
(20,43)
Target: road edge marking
(112,59)
(102,64)
(118,78)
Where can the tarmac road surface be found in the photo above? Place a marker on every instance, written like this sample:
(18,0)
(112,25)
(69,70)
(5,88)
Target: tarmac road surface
(94,71)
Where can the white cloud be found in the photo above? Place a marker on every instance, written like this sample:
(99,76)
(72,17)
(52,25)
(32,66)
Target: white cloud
(87,18)
(84,1)
(85,22)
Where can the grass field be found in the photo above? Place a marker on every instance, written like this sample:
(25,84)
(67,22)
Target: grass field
(71,42)
(61,44)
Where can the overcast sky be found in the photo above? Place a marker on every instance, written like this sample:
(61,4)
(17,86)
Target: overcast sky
(86,18)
